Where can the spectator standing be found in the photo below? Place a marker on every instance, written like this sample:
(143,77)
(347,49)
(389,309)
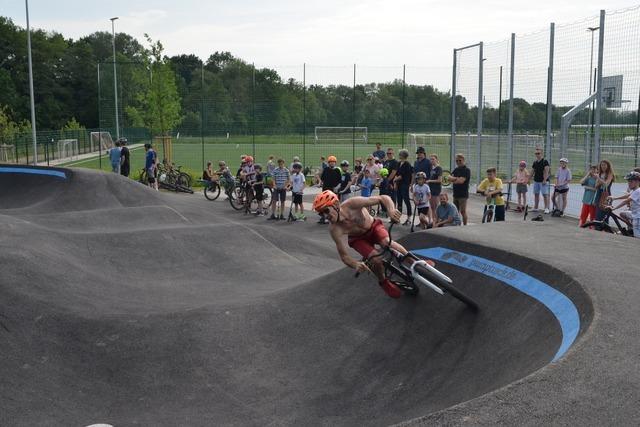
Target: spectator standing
(491,187)
(258,189)
(379,153)
(588,211)
(606,177)
(150,160)
(541,184)
(271,165)
(297,191)
(563,178)
(521,178)
(422,163)
(330,180)
(421,199)
(125,164)
(374,170)
(366,185)
(460,178)
(295,160)
(115,157)
(402,182)
(391,165)
(344,191)
(281,179)
(446,213)
(435,184)
(357,171)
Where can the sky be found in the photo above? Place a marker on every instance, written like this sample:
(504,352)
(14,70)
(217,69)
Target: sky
(330,36)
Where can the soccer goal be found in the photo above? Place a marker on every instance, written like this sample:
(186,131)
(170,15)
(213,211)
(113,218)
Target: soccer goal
(101,141)
(341,134)
(432,142)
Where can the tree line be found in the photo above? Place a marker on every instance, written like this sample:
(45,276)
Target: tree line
(220,94)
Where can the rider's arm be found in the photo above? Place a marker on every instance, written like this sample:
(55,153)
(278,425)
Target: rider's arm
(625,201)
(343,250)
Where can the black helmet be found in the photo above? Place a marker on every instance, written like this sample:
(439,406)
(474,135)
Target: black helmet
(632,176)
(344,163)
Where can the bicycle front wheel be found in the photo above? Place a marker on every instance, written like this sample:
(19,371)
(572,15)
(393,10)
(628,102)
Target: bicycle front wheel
(236,198)
(446,286)
(212,191)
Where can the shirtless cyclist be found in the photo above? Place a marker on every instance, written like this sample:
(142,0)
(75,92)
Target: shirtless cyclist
(352,219)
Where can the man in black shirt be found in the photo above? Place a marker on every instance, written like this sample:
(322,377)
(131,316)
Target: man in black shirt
(330,180)
(541,173)
(460,178)
(125,165)
(391,164)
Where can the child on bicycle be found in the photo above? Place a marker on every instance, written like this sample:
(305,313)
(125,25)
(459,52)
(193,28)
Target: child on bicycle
(297,191)
(491,188)
(632,200)
(258,190)
(421,198)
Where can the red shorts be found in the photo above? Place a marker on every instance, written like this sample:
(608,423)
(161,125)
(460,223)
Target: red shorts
(363,243)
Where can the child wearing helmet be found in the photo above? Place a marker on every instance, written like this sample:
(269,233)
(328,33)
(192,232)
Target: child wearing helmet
(521,179)
(632,200)
(421,199)
(351,225)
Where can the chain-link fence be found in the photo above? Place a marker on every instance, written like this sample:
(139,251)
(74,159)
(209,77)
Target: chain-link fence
(571,89)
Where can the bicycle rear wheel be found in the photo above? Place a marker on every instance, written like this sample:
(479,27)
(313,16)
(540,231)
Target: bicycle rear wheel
(598,226)
(212,191)
(183,179)
(236,198)
(446,286)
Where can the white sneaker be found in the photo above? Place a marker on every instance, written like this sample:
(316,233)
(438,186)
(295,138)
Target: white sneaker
(546,211)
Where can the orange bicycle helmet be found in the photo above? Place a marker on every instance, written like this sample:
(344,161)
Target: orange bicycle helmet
(332,159)
(325,199)
(248,159)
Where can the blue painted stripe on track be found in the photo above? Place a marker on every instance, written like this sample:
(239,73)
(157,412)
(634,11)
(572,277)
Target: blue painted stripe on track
(559,304)
(50,172)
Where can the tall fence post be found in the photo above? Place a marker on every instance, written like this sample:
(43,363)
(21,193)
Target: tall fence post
(510,119)
(453,112)
(635,157)
(552,31)
(99,120)
(499,119)
(404,76)
(480,107)
(596,148)
(202,110)
(304,113)
(253,108)
(353,114)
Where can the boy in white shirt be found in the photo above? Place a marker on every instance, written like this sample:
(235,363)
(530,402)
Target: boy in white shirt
(421,197)
(297,189)
(633,201)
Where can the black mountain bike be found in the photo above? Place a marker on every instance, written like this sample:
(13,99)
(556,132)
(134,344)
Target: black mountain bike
(409,271)
(623,226)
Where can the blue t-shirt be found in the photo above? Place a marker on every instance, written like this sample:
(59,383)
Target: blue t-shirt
(114,155)
(423,165)
(365,187)
(448,211)
(379,154)
(589,196)
(149,158)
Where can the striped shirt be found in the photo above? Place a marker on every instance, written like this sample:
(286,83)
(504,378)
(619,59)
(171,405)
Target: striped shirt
(280,177)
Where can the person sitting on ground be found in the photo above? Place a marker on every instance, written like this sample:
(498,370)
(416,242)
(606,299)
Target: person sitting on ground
(115,157)
(446,213)
(563,178)
(281,178)
(366,185)
(588,211)
(258,189)
(491,188)
(351,221)
(330,180)
(421,198)
(632,200)
(125,164)
(521,179)
(344,190)
(297,191)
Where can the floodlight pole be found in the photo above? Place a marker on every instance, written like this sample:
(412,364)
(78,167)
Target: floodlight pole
(591,81)
(597,118)
(453,111)
(510,119)
(33,104)
(115,77)
(552,30)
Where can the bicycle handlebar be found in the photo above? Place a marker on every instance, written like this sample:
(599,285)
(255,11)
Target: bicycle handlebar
(380,253)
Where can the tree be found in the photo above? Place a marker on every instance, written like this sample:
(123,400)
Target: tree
(158,102)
